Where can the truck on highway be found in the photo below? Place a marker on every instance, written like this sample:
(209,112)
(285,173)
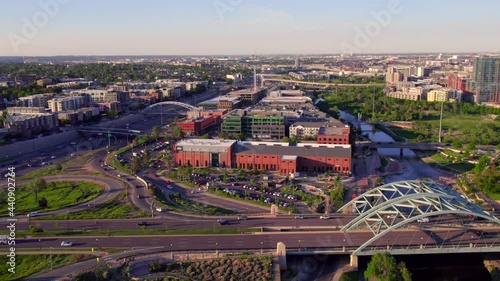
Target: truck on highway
(4,239)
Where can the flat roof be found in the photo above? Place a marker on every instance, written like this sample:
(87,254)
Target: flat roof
(300,150)
(206,143)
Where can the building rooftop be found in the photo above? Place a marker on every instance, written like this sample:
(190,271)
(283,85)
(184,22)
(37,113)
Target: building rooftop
(220,143)
(22,117)
(218,99)
(301,149)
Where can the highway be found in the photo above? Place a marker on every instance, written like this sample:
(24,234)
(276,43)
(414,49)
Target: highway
(309,240)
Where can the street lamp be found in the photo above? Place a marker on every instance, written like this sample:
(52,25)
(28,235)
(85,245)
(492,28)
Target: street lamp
(51,257)
(261,247)
(217,249)
(171,252)
(67,221)
(299,245)
(40,243)
(97,242)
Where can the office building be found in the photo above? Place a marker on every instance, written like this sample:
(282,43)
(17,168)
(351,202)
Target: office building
(283,158)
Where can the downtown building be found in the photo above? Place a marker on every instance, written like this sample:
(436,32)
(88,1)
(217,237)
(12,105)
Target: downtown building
(485,82)
(284,158)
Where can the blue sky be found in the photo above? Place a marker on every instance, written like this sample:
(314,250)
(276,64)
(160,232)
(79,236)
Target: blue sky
(199,27)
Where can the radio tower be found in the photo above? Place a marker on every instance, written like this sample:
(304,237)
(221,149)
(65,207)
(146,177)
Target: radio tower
(255,78)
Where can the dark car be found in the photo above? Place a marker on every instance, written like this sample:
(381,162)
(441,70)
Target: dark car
(142,223)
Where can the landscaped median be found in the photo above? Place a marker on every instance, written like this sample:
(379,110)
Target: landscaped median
(41,196)
(150,230)
(27,265)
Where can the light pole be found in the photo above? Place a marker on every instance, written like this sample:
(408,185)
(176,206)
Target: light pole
(97,242)
(217,249)
(299,245)
(261,247)
(40,243)
(171,252)
(51,257)
(67,221)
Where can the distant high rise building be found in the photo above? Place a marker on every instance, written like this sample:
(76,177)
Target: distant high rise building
(297,63)
(486,78)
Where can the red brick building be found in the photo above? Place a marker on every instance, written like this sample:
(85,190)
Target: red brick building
(281,157)
(457,83)
(334,135)
(204,153)
(199,126)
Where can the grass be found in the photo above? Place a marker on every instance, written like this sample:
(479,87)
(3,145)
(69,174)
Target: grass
(183,205)
(66,167)
(451,121)
(42,172)
(148,230)
(308,198)
(59,195)
(446,163)
(118,208)
(27,265)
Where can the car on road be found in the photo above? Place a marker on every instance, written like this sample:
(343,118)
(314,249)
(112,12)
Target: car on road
(53,157)
(66,243)
(423,220)
(170,186)
(222,221)
(324,217)
(300,217)
(391,216)
(33,214)
(142,223)
(243,217)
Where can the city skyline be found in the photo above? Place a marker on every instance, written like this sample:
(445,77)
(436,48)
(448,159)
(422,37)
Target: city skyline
(223,27)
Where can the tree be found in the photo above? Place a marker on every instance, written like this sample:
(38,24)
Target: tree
(36,186)
(42,203)
(134,143)
(285,139)
(206,137)
(155,133)
(177,133)
(383,267)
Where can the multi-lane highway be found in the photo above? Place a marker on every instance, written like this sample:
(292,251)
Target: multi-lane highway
(327,239)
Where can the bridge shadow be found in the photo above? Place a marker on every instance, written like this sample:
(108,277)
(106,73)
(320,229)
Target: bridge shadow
(464,236)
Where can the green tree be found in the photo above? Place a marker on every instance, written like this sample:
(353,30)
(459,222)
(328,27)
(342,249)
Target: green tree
(383,267)
(206,137)
(285,139)
(177,132)
(155,132)
(37,185)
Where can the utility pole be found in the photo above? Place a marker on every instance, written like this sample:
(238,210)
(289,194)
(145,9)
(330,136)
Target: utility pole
(109,141)
(373,104)
(441,122)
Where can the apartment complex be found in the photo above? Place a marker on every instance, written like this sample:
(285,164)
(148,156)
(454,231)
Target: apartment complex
(65,103)
(485,79)
(27,125)
(40,100)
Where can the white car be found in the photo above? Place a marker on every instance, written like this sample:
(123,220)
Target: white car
(170,187)
(324,217)
(32,214)
(66,244)
(53,157)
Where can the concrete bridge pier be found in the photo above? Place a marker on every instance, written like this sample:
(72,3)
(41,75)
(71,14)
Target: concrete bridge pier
(400,154)
(354,261)
(281,254)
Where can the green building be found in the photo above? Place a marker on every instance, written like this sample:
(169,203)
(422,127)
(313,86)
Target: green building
(256,126)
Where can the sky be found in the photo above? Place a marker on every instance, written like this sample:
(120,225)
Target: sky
(241,27)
